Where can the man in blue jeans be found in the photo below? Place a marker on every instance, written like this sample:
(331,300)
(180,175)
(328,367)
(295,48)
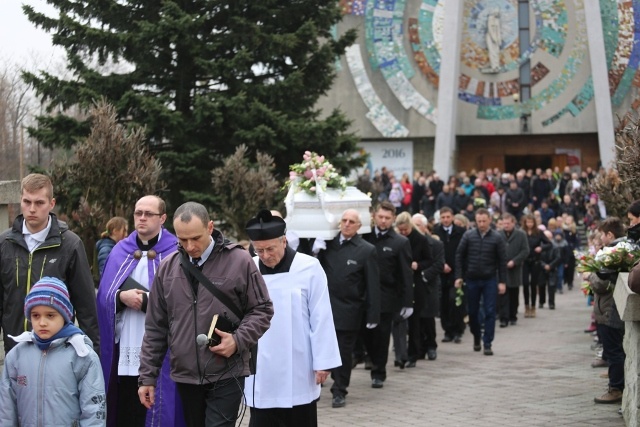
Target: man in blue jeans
(481,263)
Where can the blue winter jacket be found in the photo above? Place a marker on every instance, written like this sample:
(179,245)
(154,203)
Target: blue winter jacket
(62,386)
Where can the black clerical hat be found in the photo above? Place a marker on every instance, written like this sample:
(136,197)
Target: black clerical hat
(265,226)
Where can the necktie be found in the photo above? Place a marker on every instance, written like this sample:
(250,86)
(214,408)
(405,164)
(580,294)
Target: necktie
(195,261)
(344,242)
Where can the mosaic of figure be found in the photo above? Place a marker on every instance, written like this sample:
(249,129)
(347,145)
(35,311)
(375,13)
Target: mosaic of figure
(494,41)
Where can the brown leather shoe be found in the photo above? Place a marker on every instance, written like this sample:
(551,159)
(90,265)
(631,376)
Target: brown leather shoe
(613,395)
(527,312)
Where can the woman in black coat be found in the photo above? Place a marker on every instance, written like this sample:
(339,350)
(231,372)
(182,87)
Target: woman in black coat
(532,278)
(426,287)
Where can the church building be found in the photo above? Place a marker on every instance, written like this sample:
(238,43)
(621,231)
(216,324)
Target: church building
(452,85)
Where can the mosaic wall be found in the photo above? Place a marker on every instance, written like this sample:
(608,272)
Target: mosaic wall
(402,42)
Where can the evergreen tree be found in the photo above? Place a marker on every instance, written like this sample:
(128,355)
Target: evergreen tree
(204,77)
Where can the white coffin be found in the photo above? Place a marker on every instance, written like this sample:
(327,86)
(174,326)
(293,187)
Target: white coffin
(318,215)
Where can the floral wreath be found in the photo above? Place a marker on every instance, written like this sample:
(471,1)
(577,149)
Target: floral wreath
(315,173)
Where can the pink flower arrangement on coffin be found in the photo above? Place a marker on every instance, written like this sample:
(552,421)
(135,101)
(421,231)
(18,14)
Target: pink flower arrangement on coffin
(315,172)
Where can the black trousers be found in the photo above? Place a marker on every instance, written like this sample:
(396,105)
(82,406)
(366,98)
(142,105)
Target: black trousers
(376,341)
(550,278)
(212,405)
(530,280)
(508,304)
(298,416)
(613,352)
(130,412)
(342,375)
(415,349)
(428,330)
(451,315)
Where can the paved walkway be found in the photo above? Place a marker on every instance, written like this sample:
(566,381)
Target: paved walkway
(540,375)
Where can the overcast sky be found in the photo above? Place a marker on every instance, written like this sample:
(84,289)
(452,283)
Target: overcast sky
(19,39)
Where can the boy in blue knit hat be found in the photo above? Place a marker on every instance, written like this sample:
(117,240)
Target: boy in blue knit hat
(53,376)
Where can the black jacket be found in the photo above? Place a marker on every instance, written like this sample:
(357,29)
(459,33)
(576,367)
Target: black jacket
(551,257)
(450,242)
(481,257)
(432,277)
(518,197)
(421,254)
(534,241)
(61,255)
(396,279)
(353,280)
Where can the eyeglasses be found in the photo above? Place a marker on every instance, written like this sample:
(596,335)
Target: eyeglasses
(140,214)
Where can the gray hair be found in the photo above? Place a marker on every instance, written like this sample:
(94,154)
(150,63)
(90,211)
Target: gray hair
(358,215)
(423,219)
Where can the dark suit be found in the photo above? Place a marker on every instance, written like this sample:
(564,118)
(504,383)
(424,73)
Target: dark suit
(431,280)
(354,290)
(451,316)
(421,254)
(396,285)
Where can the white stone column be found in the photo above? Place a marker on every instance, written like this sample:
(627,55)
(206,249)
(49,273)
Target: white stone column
(599,74)
(445,145)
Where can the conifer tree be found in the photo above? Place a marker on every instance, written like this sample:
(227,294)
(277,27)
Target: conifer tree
(202,77)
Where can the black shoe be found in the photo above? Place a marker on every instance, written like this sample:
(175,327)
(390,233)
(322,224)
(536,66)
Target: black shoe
(488,351)
(552,307)
(504,324)
(377,383)
(476,344)
(411,364)
(338,401)
(447,338)
(432,354)
(513,322)
(457,339)
(540,305)
(399,364)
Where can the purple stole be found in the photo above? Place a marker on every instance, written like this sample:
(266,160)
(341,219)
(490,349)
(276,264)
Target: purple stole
(167,409)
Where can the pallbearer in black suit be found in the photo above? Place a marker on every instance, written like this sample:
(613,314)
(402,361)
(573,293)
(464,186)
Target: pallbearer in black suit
(421,259)
(351,266)
(431,278)
(396,287)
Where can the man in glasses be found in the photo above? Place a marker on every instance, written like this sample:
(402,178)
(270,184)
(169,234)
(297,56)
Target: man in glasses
(39,245)
(122,304)
(351,266)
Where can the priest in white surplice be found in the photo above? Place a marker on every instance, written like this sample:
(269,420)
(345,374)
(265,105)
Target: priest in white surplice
(297,352)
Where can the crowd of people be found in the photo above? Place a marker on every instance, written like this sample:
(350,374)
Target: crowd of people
(503,232)
(186,327)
